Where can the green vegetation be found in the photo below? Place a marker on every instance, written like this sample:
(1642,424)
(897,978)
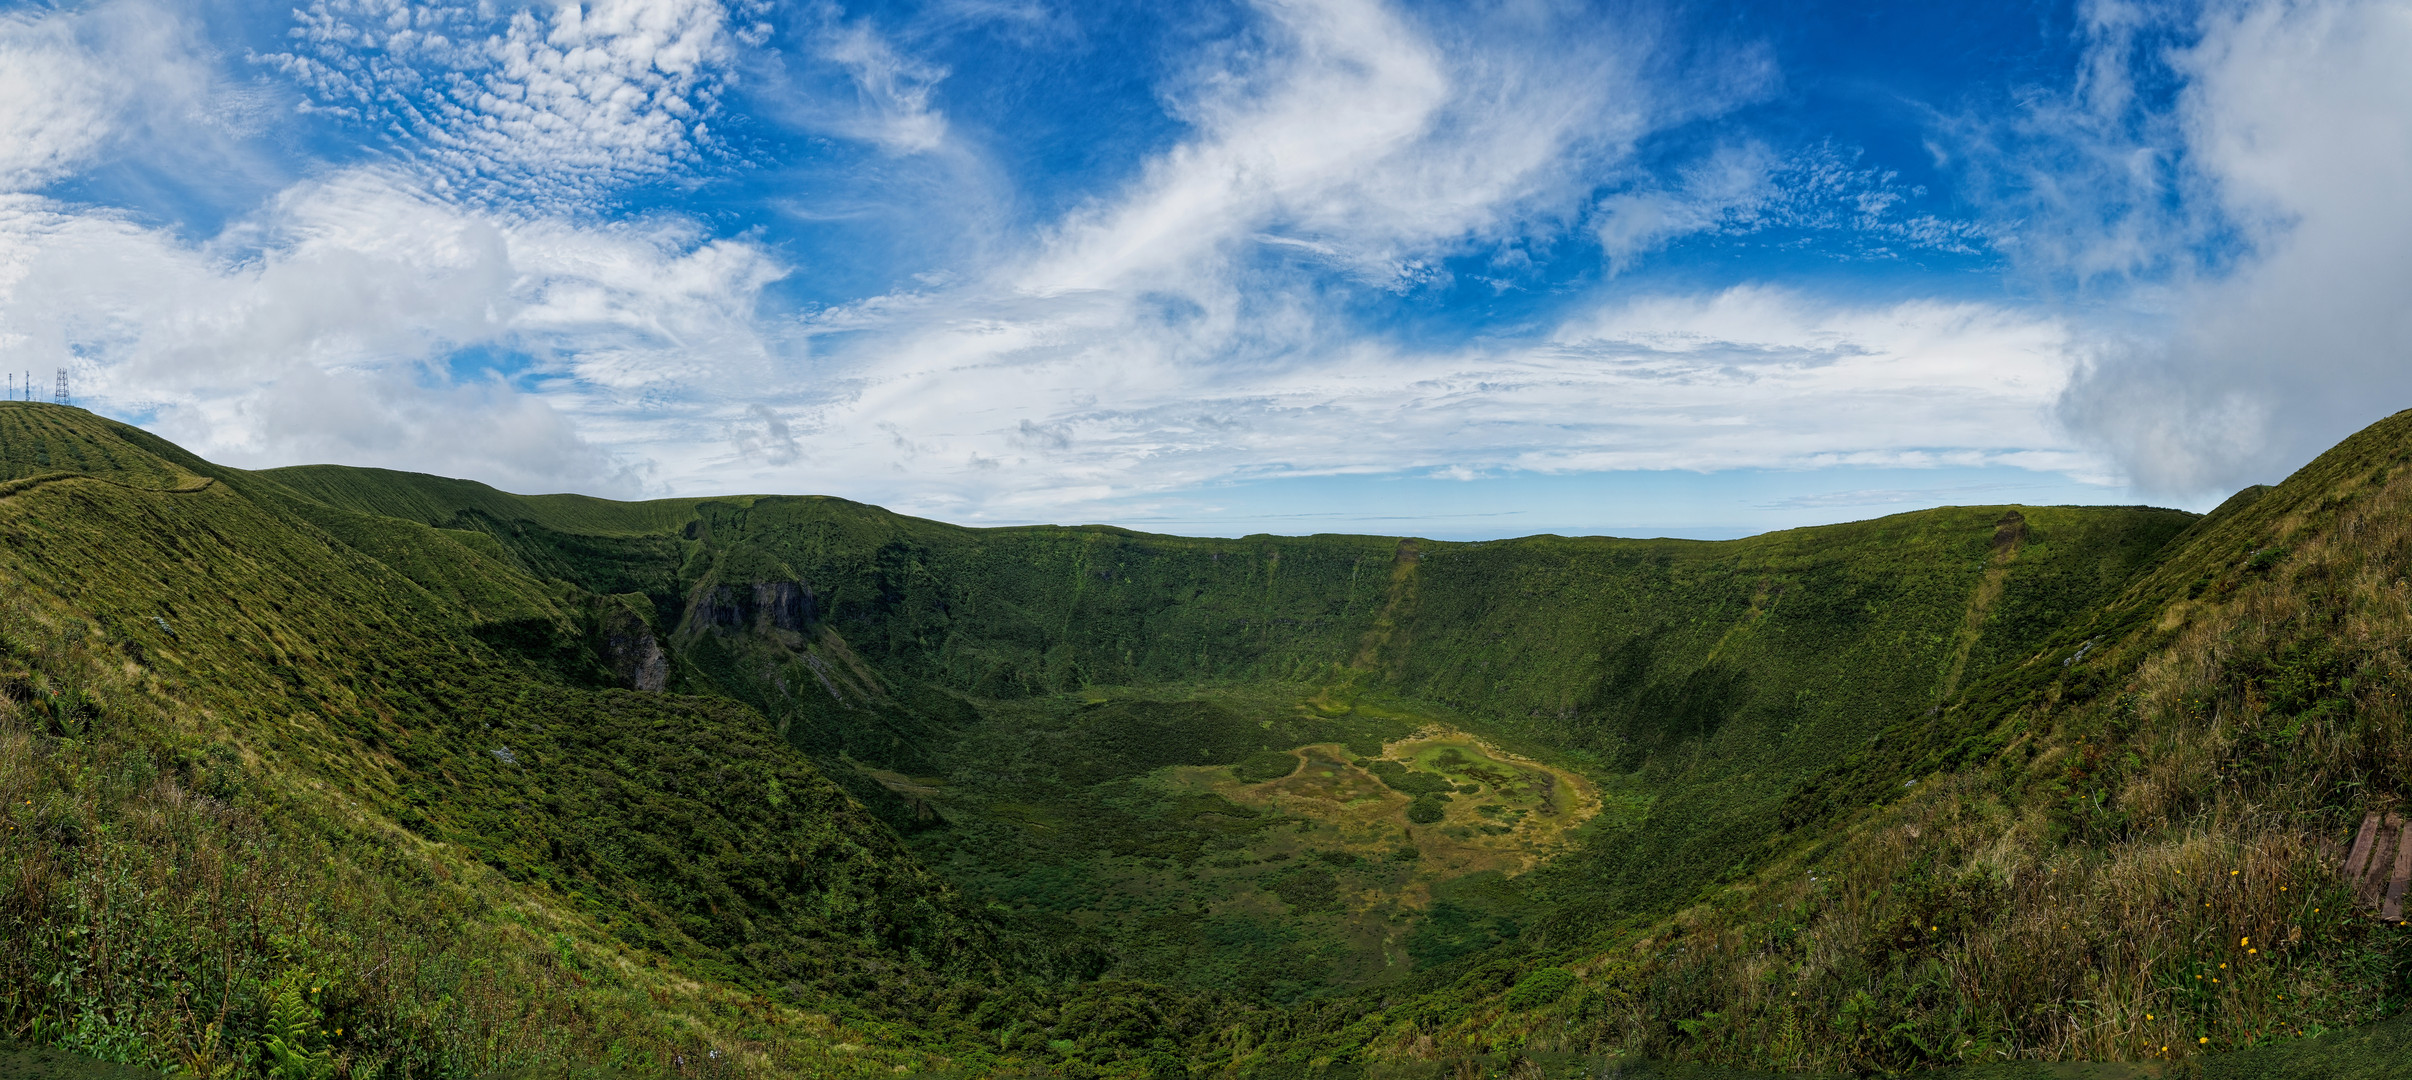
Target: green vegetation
(338,772)
(1265,765)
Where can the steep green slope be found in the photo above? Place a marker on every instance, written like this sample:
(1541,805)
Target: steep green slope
(172,637)
(2122,846)
(49,443)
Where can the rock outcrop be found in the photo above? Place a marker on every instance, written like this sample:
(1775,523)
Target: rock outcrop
(636,657)
(774,605)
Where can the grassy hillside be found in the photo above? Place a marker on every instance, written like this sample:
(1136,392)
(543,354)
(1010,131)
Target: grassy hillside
(2121,846)
(774,783)
(244,752)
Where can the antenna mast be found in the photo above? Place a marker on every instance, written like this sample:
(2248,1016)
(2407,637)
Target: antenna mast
(59,397)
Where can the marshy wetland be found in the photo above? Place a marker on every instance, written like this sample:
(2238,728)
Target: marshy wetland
(1442,800)
(1239,841)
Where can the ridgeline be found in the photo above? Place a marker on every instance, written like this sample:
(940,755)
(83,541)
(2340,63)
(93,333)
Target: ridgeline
(327,771)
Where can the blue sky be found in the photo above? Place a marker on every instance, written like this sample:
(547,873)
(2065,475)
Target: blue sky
(1458,269)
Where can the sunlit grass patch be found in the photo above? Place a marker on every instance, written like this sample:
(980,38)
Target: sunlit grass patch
(1497,810)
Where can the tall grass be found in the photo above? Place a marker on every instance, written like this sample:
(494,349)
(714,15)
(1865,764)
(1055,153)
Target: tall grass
(159,887)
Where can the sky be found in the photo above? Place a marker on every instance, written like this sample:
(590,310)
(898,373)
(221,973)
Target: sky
(1459,270)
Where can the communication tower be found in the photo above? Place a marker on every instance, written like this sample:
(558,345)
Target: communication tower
(59,396)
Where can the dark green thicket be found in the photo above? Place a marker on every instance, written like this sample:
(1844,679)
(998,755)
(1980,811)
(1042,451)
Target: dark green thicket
(1412,781)
(360,649)
(359,657)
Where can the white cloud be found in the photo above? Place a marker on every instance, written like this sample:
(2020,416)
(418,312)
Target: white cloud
(1353,134)
(1155,341)
(56,104)
(1741,188)
(2296,128)
(93,85)
(893,90)
(1176,333)
(323,329)
(2087,183)
(1006,418)
(554,106)
(1731,181)
(1761,377)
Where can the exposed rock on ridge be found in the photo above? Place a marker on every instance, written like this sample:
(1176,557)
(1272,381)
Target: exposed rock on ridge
(637,659)
(777,605)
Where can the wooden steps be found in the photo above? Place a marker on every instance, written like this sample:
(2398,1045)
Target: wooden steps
(2380,865)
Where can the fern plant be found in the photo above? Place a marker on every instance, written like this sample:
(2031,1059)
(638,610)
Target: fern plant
(207,1060)
(293,1048)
